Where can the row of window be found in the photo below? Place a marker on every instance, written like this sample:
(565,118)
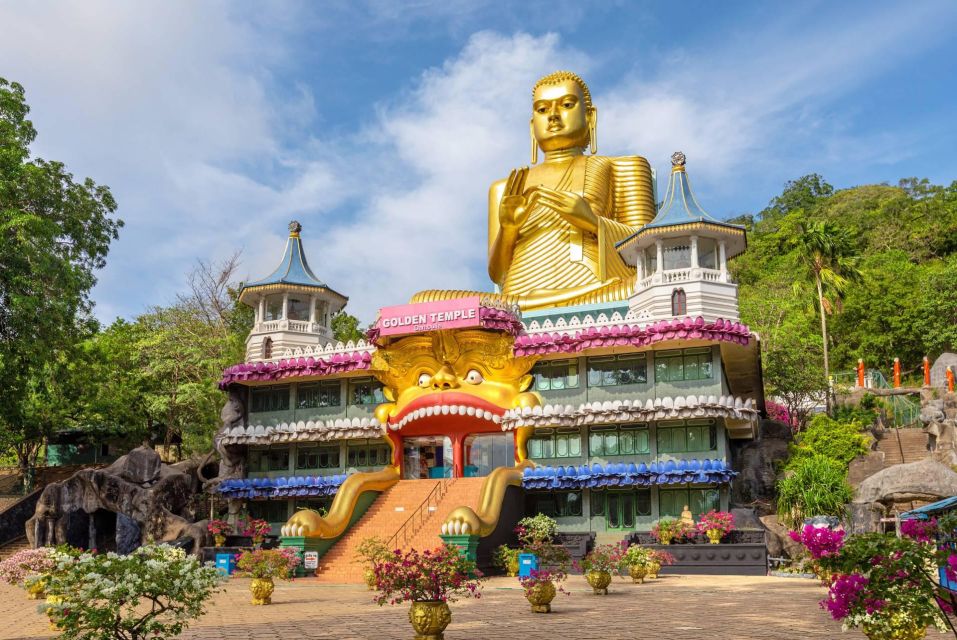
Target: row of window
(610,371)
(621,508)
(319,457)
(361,391)
(626,440)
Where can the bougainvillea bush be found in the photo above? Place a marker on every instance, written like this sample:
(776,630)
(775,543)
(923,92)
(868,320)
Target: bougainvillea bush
(268,563)
(722,521)
(882,583)
(673,529)
(440,575)
(219,527)
(26,565)
(819,541)
(254,528)
(153,592)
(604,557)
(537,528)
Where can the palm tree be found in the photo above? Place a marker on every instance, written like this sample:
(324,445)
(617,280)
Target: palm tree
(828,253)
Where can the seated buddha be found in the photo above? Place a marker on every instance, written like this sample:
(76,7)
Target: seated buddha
(553,226)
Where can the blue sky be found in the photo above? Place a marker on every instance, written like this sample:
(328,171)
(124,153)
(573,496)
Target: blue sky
(380,124)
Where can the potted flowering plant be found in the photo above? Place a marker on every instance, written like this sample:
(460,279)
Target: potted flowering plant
(636,558)
(371,550)
(599,564)
(220,529)
(506,559)
(656,560)
(429,580)
(29,568)
(667,530)
(820,542)
(887,585)
(263,566)
(537,528)
(256,529)
(541,588)
(716,525)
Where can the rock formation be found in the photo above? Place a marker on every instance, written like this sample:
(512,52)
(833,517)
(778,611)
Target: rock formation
(926,481)
(145,495)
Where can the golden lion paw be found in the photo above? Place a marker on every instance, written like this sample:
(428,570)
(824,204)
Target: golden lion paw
(304,524)
(462,521)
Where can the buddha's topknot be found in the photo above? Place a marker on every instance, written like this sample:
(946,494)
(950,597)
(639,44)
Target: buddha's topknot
(560,76)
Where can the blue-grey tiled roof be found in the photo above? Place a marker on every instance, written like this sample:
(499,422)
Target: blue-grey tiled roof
(621,474)
(293,268)
(291,486)
(947,504)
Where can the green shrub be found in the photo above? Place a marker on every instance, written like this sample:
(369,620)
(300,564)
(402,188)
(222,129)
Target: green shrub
(837,440)
(813,486)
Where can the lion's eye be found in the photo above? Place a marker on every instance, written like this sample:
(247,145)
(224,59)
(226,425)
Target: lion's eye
(425,379)
(474,377)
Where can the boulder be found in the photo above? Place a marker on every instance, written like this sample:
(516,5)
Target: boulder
(926,480)
(756,463)
(864,517)
(780,544)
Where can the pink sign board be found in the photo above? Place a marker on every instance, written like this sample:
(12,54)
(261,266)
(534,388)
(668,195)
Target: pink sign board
(429,316)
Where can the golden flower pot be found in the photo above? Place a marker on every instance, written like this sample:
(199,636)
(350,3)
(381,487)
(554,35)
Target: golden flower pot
(637,573)
(599,581)
(540,596)
(369,576)
(653,568)
(665,538)
(714,535)
(512,567)
(429,619)
(262,589)
(219,540)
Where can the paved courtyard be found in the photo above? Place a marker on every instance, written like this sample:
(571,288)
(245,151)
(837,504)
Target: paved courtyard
(673,607)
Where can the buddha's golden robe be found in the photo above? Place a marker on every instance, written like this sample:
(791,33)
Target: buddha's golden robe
(557,264)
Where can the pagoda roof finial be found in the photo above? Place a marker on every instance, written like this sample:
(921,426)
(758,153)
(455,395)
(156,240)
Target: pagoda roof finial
(294,228)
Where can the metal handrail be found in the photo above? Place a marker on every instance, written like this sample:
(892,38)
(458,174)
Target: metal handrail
(438,492)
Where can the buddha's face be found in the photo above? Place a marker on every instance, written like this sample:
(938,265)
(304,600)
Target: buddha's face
(559,116)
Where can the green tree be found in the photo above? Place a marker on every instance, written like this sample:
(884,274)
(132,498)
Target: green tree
(345,327)
(54,234)
(837,440)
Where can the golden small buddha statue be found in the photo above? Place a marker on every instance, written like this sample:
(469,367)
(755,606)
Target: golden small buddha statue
(552,227)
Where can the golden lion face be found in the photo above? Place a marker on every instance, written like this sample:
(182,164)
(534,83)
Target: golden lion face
(449,377)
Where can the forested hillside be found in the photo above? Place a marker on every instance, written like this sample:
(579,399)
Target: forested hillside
(888,259)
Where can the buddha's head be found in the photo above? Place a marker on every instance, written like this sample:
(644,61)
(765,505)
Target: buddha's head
(563,116)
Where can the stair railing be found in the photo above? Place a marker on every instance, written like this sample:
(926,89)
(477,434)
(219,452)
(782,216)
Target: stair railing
(415,521)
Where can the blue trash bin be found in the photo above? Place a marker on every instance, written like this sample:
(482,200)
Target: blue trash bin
(226,563)
(527,562)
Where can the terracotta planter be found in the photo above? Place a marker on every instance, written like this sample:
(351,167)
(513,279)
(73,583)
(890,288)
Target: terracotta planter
(369,576)
(714,535)
(638,573)
(653,568)
(429,619)
(540,596)
(219,540)
(36,590)
(599,581)
(262,589)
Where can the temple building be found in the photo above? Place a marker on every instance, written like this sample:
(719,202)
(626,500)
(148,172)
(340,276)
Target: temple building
(603,384)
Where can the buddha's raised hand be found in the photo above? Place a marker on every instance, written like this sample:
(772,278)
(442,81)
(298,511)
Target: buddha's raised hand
(514,208)
(573,208)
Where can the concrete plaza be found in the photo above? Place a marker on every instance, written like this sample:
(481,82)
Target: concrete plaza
(673,607)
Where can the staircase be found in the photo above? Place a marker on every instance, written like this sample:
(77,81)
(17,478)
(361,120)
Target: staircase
(913,444)
(386,517)
(7,550)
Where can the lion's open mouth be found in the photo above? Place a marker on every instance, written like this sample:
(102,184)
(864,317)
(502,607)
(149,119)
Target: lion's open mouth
(441,405)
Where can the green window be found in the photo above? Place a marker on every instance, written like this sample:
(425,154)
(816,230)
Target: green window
(611,371)
(690,364)
(555,445)
(687,438)
(621,508)
(320,394)
(671,502)
(554,504)
(626,440)
(368,455)
(365,391)
(270,399)
(278,459)
(269,510)
(317,457)
(556,375)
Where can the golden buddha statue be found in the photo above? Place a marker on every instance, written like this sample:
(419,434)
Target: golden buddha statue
(552,227)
